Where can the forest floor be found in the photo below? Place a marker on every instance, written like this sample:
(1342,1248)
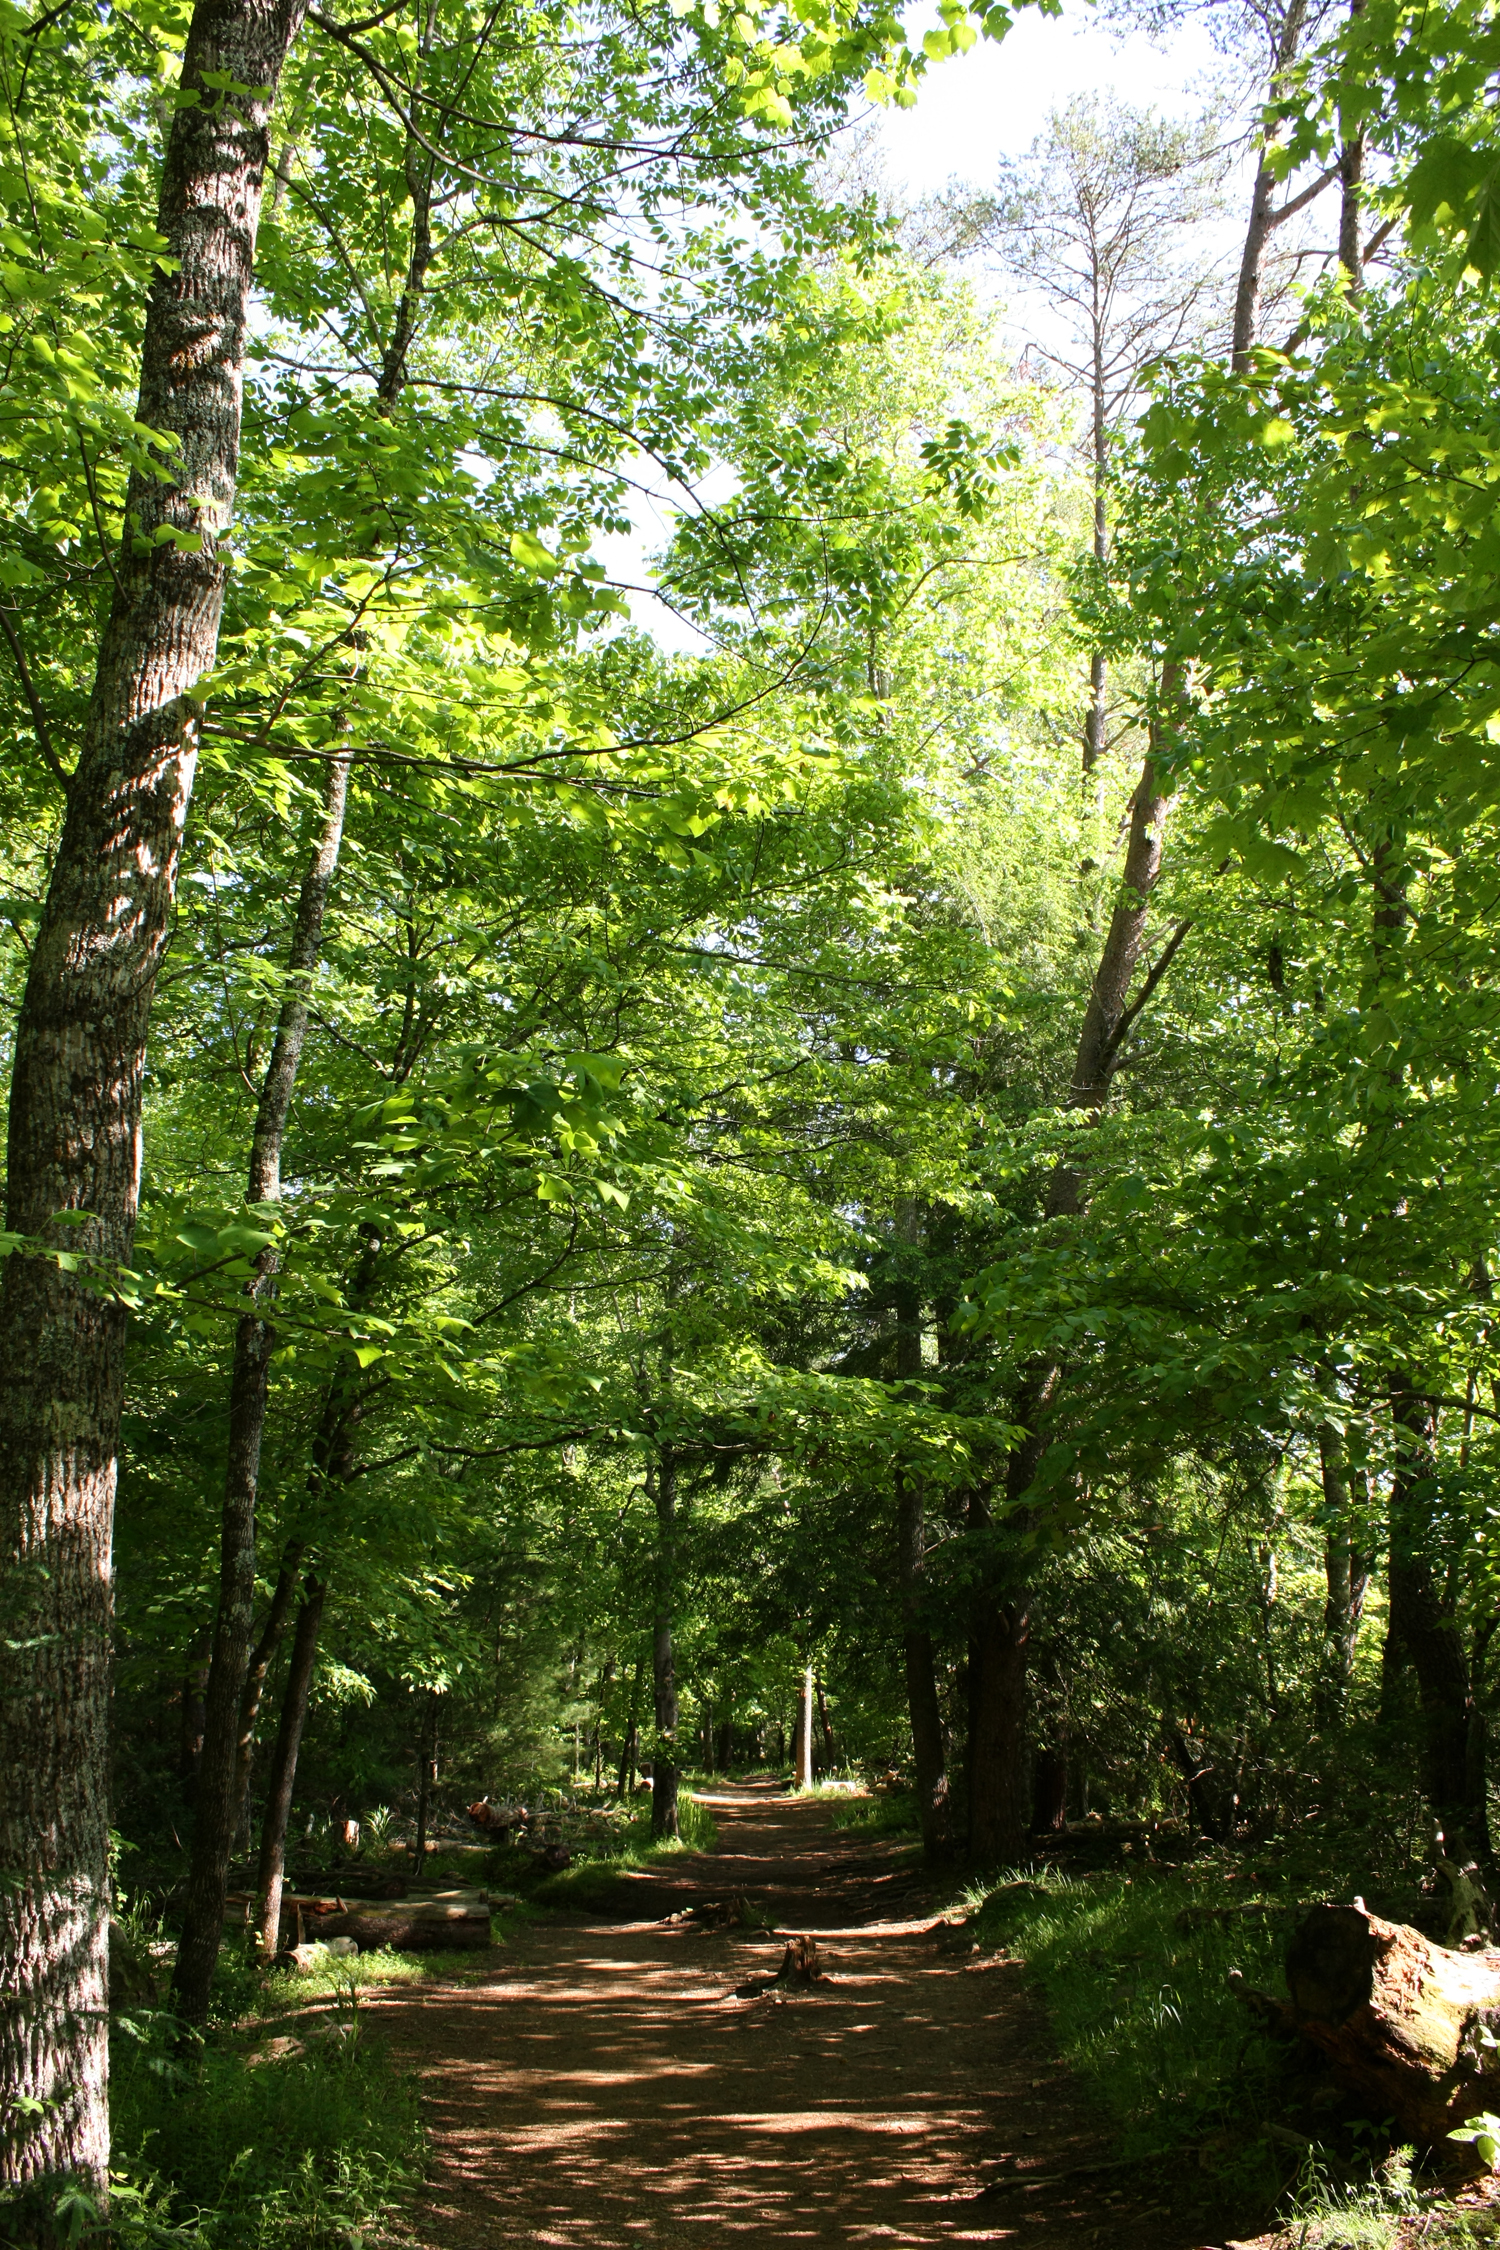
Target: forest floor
(633,2079)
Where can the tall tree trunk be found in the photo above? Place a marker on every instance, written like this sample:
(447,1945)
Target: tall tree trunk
(927,1749)
(278,1617)
(999,1784)
(1423,1634)
(805,1728)
(426,1776)
(1263,201)
(216,1811)
(825,1725)
(663,1661)
(75,1110)
(934,1805)
(282,1780)
(628,1748)
(1346,1568)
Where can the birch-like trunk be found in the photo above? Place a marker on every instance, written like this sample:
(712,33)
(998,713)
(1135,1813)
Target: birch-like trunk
(75,1112)
(216,1808)
(282,1780)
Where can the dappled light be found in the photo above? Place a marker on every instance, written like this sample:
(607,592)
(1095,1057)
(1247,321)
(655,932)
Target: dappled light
(612,2084)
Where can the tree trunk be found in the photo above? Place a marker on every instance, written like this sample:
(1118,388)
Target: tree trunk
(999,1794)
(1423,1634)
(825,1725)
(999,1782)
(75,1110)
(934,1806)
(216,1814)
(278,1616)
(1262,205)
(1398,2017)
(805,1729)
(628,1748)
(190,1744)
(283,1775)
(426,1775)
(663,1663)
(1347,1574)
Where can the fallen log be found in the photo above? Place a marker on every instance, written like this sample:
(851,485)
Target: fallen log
(1409,2026)
(412,1929)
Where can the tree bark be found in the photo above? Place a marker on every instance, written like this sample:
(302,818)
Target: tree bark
(1262,203)
(75,1111)
(1423,1634)
(934,1804)
(282,1779)
(825,1725)
(1346,1569)
(1398,2017)
(216,1812)
(663,1661)
(426,1775)
(999,1792)
(805,1729)
(278,1617)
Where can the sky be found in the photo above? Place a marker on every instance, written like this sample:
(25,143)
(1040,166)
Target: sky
(994,100)
(970,111)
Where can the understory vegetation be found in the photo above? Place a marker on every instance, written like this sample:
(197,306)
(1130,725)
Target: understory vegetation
(748,981)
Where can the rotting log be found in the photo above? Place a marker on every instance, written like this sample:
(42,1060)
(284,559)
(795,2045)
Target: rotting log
(1403,2022)
(424,1926)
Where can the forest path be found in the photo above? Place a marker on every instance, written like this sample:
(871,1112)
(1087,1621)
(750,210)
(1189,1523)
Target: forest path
(610,2085)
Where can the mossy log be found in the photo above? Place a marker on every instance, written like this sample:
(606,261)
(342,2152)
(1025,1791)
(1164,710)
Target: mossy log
(1403,2022)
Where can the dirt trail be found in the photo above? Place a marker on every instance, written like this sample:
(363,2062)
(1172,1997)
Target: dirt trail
(609,2084)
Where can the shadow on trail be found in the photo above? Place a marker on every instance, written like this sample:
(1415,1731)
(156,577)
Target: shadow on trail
(640,2080)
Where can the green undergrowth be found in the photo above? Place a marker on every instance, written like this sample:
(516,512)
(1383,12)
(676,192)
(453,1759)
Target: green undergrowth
(888,1812)
(1140,1972)
(596,1879)
(260,2139)
(1144,2010)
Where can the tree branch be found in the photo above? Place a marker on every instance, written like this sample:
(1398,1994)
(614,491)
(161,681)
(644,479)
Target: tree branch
(43,732)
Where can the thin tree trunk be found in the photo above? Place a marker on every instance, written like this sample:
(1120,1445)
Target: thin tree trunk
(427,1774)
(628,1746)
(663,1662)
(282,1779)
(1347,1576)
(1262,204)
(825,1724)
(218,1801)
(805,1729)
(999,1792)
(278,1616)
(75,1109)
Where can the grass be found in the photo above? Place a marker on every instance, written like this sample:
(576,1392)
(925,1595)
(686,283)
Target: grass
(891,1812)
(596,1880)
(1138,1973)
(1143,2009)
(302,2143)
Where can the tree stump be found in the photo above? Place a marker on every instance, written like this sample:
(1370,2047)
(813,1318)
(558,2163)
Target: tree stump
(1404,2022)
(800,1963)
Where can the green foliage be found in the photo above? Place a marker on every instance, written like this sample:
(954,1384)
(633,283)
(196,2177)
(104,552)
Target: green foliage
(599,1877)
(308,2142)
(1144,2010)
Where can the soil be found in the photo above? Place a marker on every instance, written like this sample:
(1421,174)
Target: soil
(637,2080)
